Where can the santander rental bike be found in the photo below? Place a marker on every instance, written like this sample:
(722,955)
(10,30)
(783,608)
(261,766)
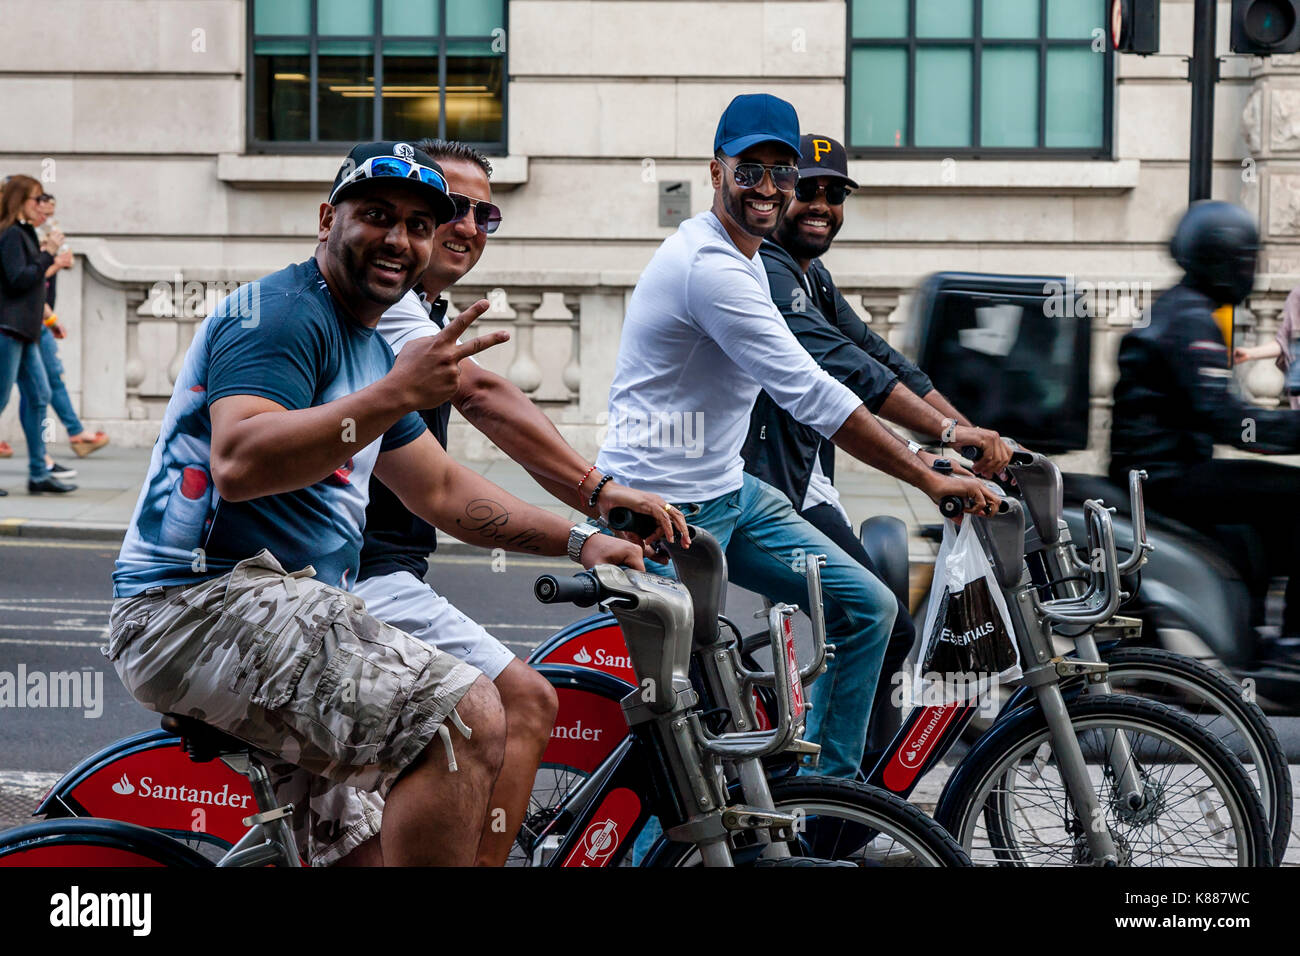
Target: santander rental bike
(706,786)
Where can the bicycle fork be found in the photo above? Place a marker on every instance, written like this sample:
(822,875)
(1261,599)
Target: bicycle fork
(1041,674)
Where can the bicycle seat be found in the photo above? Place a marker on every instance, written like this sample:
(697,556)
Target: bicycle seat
(201,741)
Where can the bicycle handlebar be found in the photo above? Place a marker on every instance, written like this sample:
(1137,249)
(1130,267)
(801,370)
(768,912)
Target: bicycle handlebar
(625,519)
(1018,457)
(950,506)
(582,589)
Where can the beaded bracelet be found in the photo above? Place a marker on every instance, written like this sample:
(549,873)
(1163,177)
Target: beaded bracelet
(591,502)
(586,476)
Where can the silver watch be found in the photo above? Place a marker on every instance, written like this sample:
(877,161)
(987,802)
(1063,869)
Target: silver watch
(578,536)
(914,447)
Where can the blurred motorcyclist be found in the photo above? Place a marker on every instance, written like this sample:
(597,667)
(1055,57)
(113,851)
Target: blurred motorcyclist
(1176,398)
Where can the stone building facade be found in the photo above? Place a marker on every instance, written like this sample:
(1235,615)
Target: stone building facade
(136,115)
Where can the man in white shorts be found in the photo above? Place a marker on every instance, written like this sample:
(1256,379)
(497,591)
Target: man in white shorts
(395,557)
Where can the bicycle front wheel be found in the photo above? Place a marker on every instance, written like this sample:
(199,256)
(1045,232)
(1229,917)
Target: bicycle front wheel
(1221,707)
(844,820)
(1008,805)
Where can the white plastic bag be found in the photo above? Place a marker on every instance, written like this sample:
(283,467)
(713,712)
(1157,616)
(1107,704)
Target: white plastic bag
(968,644)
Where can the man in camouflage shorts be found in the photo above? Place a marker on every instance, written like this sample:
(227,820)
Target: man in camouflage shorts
(231,602)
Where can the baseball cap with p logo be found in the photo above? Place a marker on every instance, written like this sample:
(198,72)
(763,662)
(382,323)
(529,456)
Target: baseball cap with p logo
(822,156)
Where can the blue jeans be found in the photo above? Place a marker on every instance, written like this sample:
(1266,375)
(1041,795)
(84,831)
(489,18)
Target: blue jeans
(761,533)
(20,362)
(59,399)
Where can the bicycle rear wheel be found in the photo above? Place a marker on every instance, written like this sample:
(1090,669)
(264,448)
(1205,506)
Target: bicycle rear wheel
(844,820)
(90,842)
(1007,803)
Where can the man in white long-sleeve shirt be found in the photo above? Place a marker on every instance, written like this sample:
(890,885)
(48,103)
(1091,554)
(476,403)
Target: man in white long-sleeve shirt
(701,336)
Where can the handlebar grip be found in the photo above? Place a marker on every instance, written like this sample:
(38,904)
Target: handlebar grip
(581,589)
(625,519)
(975,453)
(950,506)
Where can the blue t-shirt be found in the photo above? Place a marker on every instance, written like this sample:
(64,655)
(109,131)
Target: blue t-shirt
(281,338)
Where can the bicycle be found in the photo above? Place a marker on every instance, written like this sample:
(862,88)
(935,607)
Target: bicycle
(670,765)
(1129,729)
(1207,695)
(77,841)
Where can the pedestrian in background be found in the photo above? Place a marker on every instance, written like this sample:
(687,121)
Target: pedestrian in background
(1281,346)
(26,261)
(81,441)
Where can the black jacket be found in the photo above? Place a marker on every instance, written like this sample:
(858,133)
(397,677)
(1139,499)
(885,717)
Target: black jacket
(22,282)
(780,450)
(1175,398)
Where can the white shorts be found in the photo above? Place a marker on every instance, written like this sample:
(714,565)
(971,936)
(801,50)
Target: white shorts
(404,601)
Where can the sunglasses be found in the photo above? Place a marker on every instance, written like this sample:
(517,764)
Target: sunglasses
(45,197)
(379,166)
(487,216)
(749,175)
(808,189)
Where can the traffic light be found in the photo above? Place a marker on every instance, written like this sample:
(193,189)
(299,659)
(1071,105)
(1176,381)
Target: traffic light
(1135,26)
(1265,27)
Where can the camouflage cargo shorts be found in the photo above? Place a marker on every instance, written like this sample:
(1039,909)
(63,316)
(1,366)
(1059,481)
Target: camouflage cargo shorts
(299,670)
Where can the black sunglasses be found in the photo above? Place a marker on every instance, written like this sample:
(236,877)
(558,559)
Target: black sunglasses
(808,189)
(487,216)
(749,175)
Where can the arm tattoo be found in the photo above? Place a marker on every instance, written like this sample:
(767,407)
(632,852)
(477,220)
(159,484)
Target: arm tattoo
(490,520)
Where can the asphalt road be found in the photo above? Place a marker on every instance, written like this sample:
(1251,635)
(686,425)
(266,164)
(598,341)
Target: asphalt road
(55,598)
(54,603)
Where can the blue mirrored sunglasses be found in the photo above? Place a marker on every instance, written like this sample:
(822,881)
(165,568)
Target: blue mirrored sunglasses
(377,166)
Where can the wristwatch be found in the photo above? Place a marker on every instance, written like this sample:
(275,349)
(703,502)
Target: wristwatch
(578,536)
(915,447)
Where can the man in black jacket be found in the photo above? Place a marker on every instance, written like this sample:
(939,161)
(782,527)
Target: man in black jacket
(1175,400)
(791,456)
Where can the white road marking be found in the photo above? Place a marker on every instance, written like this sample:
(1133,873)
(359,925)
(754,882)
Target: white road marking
(57,600)
(40,643)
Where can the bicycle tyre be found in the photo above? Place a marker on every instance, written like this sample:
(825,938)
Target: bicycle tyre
(873,811)
(1248,718)
(90,842)
(969,796)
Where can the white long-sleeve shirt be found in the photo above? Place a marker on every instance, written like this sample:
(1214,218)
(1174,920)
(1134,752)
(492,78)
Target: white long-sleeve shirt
(700,339)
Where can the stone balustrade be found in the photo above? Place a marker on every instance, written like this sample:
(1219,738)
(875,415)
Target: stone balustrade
(129,331)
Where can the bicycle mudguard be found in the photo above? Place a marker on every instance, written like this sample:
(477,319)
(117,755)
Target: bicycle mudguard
(148,780)
(97,843)
(595,643)
(589,723)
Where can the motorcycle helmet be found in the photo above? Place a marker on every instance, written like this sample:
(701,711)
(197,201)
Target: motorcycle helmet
(1217,245)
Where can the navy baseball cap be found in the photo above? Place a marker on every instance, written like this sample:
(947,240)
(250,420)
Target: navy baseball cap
(822,156)
(394,163)
(753,118)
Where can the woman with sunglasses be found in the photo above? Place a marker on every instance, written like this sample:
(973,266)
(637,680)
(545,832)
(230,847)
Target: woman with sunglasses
(26,261)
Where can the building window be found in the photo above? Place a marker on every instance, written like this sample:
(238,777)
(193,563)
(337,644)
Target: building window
(330,73)
(979,77)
